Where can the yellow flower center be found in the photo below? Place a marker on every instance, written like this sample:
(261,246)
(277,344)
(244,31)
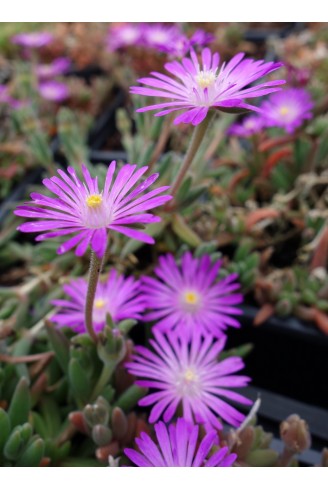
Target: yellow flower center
(284,111)
(190,376)
(191,298)
(94,200)
(205,79)
(99,303)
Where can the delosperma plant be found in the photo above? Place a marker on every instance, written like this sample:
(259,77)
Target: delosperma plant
(120,246)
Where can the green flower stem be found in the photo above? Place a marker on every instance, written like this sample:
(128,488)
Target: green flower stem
(103,379)
(196,140)
(94,272)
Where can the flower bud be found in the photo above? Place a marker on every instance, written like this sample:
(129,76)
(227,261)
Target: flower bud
(111,346)
(97,413)
(101,435)
(294,432)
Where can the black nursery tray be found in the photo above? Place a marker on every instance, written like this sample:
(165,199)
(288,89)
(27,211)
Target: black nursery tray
(289,357)
(274,408)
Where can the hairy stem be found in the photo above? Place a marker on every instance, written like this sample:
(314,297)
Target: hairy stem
(94,272)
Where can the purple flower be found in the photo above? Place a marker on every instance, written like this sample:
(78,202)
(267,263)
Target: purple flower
(85,211)
(188,299)
(33,39)
(202,87)
(57,67)
(161,37)
(288,109)
(118,296)
(54,91)
(177,446)
(188,375)
(120,36)
(5,98)
(168,39)
(201,38)
(247,127)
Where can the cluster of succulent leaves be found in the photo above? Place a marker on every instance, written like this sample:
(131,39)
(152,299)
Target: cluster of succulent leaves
(47,375)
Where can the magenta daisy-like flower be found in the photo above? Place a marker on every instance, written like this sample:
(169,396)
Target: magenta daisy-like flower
(88,213)
(188,375)
(118,296)
(161,37)
(57,67)
(170,39)
(247,127)
(54,91)
(197,88)
(123,35)
(33,39)
(5,98)
(177,445)
(288,109)
(188,299)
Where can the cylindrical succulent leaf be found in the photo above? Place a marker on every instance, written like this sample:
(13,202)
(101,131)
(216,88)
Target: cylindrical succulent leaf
(262,457)
(20,403)
(33,454)
(130,397)
(5,427)
(119,423)
(14,445)
(79,380)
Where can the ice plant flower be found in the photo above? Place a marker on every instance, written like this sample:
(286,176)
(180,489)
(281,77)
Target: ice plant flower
(161,37)
(247,127)
(188,376)
(57,67)
(5,98)
(288,109)
(88,213)
(33,39)
(197,88)
(177,445)
(188,299)
(118,296)
(123,35)
(170,39)
(54,91)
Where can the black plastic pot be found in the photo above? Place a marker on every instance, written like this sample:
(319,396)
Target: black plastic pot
(87,73)
(289,358)
(105,125)
(259,36)
(274,408)
(104,128)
